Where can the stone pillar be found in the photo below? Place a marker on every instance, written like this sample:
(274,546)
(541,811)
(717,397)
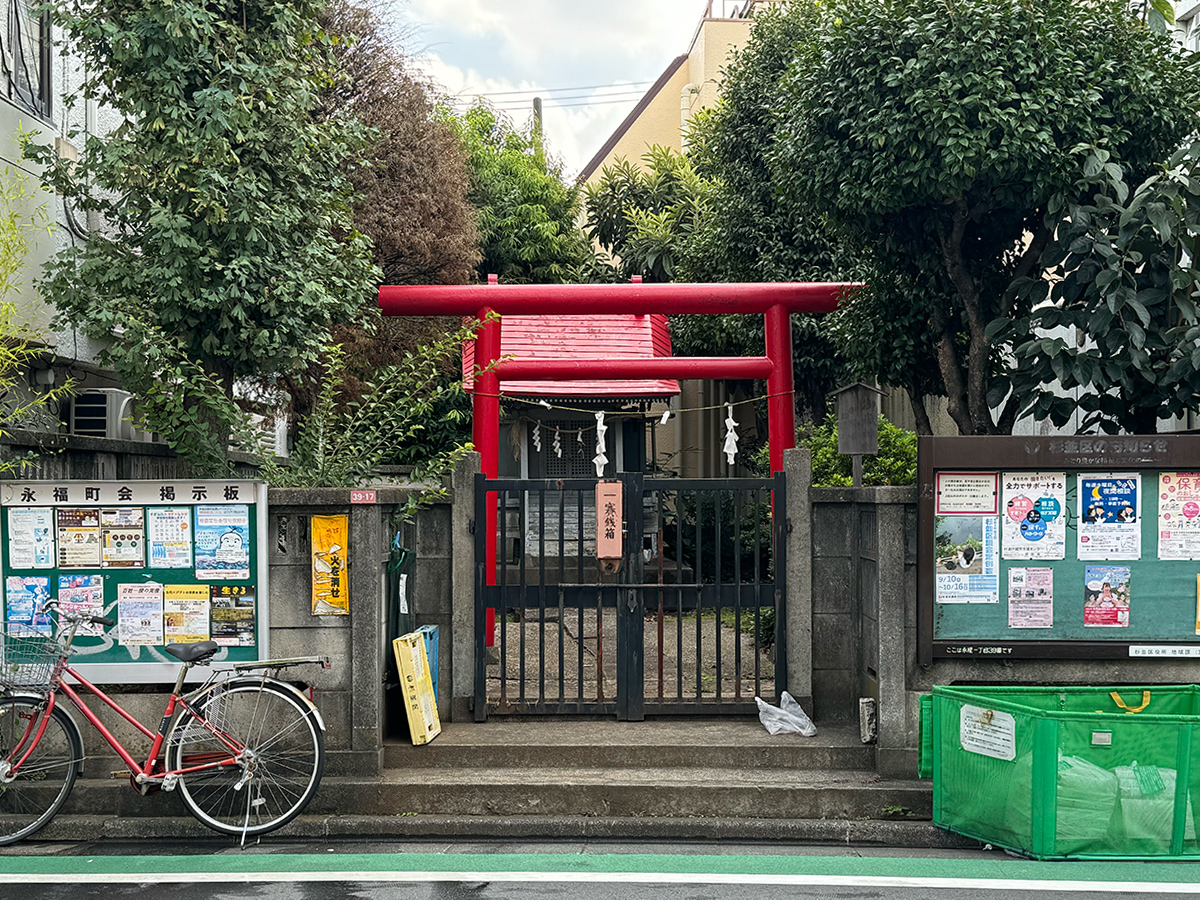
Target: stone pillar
(892,756)
(797,468)
(368,549)
(461,638)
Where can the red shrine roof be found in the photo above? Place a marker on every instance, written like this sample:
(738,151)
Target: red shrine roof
(580,337)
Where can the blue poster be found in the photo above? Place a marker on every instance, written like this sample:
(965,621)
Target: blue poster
(25,603)
(1110,516)
(222,543)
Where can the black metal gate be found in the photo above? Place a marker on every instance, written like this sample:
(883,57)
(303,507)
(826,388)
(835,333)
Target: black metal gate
(693,622)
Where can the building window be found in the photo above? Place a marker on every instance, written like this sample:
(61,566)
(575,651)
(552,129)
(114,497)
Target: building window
(25,55)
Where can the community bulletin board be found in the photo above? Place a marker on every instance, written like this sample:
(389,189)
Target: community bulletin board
(1058,547)
(170,561)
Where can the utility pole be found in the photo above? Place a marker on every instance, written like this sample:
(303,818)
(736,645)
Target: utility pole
(537,125)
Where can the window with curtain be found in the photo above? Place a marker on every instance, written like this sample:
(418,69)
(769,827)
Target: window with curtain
(26,55)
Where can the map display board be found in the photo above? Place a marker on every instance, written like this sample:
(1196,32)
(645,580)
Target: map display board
(1092,552)
(170,561)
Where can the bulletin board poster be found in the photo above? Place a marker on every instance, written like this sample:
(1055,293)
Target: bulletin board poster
(169,561)
(1097,555)
(330,572)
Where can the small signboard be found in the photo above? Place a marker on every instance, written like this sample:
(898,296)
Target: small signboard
(610,513)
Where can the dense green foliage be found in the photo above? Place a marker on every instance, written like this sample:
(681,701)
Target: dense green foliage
(227,248)
(1124,278)
(526,214)
(894,465)
(936,135)
(22,215)
(342,443)
(412,191)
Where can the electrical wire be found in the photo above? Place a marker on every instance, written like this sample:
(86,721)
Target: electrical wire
(582,87)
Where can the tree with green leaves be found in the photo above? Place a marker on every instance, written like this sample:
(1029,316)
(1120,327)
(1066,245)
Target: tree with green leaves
(936,135)
(526,212)
(1114,331)
(228,249)
(22,216)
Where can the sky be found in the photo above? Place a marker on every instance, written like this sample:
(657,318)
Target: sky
(591,60)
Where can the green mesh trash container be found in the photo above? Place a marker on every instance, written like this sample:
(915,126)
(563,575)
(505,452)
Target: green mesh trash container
(1078,772)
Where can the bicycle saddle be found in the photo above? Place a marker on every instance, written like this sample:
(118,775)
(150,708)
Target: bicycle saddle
(193,652)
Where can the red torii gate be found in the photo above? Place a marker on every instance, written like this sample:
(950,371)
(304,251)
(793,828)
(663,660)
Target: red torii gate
(776,301)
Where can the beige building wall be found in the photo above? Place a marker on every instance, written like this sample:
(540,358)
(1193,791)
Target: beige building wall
(688,85)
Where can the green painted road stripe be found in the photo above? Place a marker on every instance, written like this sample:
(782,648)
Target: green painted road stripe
(361,866)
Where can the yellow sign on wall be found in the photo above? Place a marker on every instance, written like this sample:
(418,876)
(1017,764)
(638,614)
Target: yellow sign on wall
(330,569)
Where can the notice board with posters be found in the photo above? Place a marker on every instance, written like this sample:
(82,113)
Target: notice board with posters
(1058,547)
(170,561)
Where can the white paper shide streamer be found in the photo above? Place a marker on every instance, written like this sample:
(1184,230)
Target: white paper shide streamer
(731,437)
(557,444)
(537,436)
(601,458)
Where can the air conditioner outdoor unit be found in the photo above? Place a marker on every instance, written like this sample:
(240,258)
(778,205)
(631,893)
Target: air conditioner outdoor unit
(270,434)
(106,413)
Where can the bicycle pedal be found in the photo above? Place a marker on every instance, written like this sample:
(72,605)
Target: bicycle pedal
(119,773)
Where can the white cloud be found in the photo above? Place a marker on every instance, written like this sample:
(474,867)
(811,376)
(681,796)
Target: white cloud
(496,47)
(573,132)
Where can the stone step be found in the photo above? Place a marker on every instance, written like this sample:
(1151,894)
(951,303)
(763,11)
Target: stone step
(631,793)
(560,791)
(704,743)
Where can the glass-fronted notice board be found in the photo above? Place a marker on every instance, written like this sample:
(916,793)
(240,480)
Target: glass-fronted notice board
(170,561)
(1059,547)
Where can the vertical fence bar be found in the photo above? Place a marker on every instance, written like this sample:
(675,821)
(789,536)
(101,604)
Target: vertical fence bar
(758,590)
(522,591)
(542,595)
(658,502)
(737,595)
(718,514)
(599,642)
(479,713)
(779,569)
(502,606)
(679,562)
(699,592)
(562,576)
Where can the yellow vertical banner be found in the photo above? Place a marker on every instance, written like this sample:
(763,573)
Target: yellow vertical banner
(330,569)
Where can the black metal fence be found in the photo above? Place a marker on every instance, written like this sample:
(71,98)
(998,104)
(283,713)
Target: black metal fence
(693,622)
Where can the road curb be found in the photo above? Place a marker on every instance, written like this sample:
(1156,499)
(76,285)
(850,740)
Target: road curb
(867,832)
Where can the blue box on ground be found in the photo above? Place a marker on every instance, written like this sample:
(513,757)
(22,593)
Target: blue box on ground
(430,633)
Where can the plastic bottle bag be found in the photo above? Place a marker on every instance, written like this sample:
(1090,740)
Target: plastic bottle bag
(788,718)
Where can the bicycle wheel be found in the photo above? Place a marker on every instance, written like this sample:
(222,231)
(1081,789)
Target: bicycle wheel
(44,780)
(280,769)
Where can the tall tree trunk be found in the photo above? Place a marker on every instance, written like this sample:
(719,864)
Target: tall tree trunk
(924,426)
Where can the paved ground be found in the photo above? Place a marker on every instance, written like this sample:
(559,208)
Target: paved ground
(574,657)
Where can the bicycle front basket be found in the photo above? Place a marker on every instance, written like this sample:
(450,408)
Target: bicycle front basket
(28,656)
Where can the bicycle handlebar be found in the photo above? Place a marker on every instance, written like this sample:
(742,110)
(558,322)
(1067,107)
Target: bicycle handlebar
(80,618)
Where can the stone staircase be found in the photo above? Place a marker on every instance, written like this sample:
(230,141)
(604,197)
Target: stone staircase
(574,778)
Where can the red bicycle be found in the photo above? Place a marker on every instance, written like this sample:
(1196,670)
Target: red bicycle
(245,749)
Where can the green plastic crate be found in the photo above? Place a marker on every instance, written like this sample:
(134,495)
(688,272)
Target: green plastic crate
(1058,773)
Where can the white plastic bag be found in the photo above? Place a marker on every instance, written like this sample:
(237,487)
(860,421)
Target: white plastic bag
(790,719)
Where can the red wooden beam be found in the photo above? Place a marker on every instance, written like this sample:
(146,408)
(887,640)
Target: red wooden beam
(693,367)
(609,299)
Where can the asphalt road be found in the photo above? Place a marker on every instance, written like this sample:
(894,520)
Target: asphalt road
(579,871)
